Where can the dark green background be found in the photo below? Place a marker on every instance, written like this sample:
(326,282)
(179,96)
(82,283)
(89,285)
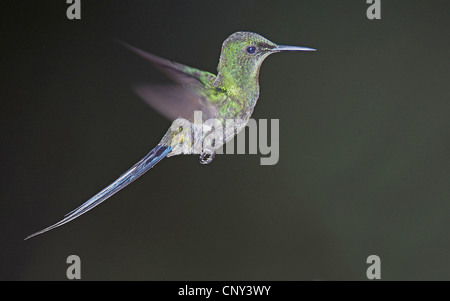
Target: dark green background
(364,144)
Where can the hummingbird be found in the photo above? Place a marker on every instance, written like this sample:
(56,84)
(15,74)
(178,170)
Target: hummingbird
(196,98)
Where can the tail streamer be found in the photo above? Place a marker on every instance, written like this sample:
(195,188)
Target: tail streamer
(150,160)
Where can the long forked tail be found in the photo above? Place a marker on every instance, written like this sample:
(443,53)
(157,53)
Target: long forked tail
(150,160)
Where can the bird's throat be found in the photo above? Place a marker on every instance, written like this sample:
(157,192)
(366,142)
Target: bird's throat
(242,87)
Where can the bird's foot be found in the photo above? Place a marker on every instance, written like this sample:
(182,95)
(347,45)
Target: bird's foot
(207,156)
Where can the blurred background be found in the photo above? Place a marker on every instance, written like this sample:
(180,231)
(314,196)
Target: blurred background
(364,144)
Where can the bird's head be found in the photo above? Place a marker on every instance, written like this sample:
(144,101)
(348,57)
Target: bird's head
(243,53)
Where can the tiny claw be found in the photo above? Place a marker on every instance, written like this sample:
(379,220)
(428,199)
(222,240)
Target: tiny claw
(207,156)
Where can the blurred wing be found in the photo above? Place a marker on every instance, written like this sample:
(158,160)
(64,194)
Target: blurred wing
(179,73)
(174,101)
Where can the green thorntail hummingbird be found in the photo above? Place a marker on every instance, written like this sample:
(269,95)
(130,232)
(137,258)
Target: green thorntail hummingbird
(197,96)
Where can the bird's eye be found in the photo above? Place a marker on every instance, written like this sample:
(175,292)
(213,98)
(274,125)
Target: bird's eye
(251,49)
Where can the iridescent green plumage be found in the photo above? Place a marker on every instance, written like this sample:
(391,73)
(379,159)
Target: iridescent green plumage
(231,95)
